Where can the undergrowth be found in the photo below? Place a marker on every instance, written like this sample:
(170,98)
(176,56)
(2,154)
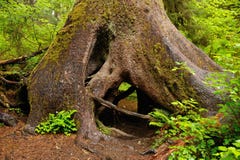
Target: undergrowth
(61,122)
(216,137)
(213,137)
(196,132)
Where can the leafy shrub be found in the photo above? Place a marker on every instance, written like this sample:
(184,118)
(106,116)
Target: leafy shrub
(195,131)
(62,122)
(228,87)
(230,153)
(214,27)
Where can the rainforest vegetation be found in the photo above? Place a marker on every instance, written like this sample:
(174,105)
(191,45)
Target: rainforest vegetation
(28,28)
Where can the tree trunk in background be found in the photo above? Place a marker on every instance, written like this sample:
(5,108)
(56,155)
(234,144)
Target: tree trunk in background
(104,43)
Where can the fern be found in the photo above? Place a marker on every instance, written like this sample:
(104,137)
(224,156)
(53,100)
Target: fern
(62,122)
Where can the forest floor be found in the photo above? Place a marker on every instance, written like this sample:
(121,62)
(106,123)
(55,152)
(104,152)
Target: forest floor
(15,144)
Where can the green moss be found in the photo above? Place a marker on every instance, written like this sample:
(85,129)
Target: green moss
(154,54)
(119,18)
(103,128)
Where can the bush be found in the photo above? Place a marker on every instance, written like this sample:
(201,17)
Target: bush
(196,132)
(62,122)
(230,153)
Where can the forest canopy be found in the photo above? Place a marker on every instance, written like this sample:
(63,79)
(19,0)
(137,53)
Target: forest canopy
(28,26)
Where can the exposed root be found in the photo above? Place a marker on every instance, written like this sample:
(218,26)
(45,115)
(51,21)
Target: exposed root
(120,134)
(9,81)
(112,106)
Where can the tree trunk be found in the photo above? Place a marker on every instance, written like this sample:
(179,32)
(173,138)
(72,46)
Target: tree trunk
(104,43)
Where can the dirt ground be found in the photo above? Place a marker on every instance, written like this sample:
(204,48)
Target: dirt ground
(15,144)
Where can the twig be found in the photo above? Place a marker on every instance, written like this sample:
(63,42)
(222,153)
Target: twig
(8,81)
(22,58)
(8,119)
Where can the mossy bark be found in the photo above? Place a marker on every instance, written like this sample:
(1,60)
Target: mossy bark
(104,43)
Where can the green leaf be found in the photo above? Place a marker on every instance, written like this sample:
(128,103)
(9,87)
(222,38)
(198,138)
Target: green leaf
(222,148)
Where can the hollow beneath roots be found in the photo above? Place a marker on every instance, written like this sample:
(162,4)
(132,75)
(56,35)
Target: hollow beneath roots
(128,124)
(127,98)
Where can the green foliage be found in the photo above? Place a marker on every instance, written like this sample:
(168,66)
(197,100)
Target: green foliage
(228,86)
(196,131)
(181,66)
(124,87)
(62,122)
(203,136)
(222,33)
(214,27)
(179,11)
(230,153)
(1,124)
(17,110)
(211,25)
(103,128)
(27,27)
(186,106)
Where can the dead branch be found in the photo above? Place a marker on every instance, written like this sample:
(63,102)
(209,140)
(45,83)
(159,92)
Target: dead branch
(22,58)
(9,81)
(112,106)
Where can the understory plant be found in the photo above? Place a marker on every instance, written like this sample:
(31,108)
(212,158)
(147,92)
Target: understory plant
(231,152)
(215,137)
(195,133)
(228,87)
(61,122)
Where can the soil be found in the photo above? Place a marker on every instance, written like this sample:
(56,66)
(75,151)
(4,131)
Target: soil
(15,144)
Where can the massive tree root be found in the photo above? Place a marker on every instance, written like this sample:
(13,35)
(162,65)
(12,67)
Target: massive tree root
(105,43)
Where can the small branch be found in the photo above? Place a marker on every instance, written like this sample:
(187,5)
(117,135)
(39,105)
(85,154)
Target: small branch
(22,58)
(8,81)
(112,106)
